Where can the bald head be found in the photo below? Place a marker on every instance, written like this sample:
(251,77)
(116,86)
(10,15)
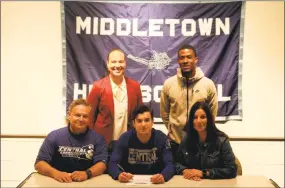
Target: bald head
(117,50)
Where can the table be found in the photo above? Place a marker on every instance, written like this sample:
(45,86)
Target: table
(37,180)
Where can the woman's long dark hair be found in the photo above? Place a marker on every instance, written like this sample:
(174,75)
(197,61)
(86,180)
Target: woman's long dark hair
(212,131)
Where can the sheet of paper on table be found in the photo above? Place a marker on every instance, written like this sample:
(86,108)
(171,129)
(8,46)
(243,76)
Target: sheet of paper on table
(140,180)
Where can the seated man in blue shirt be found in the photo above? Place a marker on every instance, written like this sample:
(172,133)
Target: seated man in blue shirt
(142,150)
(74,152)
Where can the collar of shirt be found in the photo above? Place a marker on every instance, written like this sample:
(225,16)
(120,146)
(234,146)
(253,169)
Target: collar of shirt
(115,86)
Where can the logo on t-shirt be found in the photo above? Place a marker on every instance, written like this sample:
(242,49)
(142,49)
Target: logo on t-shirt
(84,152)
(167,144)
(142,156)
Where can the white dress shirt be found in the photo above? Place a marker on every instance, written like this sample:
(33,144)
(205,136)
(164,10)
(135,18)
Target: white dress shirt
(120,109)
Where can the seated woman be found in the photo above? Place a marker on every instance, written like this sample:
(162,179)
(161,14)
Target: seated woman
(205,152)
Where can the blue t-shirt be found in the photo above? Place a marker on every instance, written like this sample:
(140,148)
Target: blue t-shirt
(153,157)
(68,152)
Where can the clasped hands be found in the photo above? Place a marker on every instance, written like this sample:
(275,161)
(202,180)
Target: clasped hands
(124,177)
(69,177)
(192,174)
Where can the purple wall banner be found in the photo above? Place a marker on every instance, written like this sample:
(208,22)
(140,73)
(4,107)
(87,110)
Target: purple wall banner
(150,35)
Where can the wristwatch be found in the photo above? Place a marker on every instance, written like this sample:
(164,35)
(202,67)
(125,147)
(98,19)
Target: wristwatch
(204,172)
(89,173)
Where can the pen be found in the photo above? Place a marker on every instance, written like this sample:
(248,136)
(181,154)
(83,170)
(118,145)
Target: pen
(120,167)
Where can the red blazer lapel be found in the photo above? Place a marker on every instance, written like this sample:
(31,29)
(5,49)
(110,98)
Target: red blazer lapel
(109,95)
(131,97)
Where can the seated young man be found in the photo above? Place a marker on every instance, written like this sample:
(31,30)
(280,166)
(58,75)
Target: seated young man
(142,150)
(74,152)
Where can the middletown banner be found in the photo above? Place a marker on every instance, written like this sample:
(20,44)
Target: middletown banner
(150,34)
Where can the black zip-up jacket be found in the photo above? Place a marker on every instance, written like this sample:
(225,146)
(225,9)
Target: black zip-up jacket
(220,161)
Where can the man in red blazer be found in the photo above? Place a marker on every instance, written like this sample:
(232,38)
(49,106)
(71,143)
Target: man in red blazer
(113,99)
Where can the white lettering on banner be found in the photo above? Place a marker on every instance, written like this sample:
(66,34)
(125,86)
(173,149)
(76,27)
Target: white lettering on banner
(225,27)
(95,23)
(205,26)
(136,31)
(77,92)
(192,25)
(172,23)
(125,27)
(148,93)
(103,29)
(156,93)
(220,94)
(84,25)
(154,27)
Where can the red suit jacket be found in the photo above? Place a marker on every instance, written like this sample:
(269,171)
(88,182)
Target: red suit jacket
(101,99)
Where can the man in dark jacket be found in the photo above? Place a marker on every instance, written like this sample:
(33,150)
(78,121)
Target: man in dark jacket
(143,150)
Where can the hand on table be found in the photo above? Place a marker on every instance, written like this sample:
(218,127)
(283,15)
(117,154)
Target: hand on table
(78,176)
(157,178)
(192,174)
(125,177)
(62,177)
